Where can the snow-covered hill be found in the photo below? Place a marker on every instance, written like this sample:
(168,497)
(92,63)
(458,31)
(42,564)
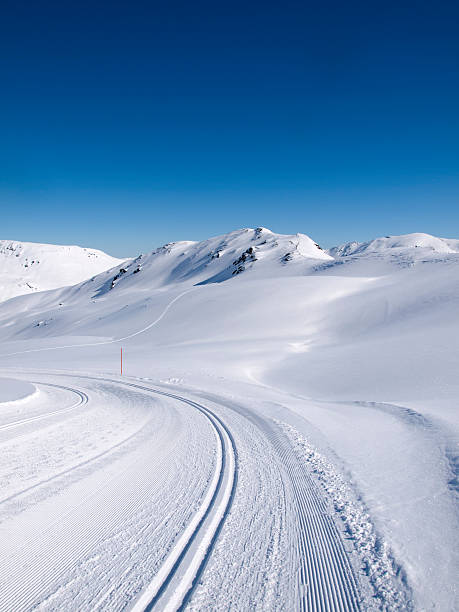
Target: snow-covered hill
(27,267)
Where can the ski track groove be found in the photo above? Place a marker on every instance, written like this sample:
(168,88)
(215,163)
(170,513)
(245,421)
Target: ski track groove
(187,588)
(26,599)
(336,589)
(83,399)
(73,468)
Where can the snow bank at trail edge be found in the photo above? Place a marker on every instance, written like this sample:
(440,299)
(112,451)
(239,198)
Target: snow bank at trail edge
(12,390)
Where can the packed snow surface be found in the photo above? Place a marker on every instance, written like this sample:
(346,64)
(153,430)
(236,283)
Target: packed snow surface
(27,267)
(284,435)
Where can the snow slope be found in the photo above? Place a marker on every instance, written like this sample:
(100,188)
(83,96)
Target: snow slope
(27,267)
(303,444)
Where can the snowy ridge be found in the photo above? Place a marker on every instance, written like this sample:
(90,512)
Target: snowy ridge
(264,254)
(218,259)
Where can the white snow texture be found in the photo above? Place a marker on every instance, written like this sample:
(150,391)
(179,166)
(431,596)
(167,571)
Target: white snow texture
(284,435)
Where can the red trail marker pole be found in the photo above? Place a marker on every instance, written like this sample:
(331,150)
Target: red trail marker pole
(121,364)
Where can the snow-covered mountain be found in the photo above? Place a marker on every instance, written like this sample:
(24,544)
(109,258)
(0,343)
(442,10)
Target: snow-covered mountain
(252,254)
(258,251)
(121,295)
(27,267)
(415,246)
(383,255)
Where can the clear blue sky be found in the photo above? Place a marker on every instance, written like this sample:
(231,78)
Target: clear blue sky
(126,125)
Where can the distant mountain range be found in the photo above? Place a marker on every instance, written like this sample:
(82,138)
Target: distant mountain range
(30,267)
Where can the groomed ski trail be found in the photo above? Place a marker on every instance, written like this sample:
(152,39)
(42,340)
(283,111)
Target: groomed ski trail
(82,399)
(326,581)
(176,579)
(174,583)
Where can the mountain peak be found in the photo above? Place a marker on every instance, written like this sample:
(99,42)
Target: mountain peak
(218,259)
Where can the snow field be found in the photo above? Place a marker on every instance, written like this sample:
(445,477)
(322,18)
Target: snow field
(332,376)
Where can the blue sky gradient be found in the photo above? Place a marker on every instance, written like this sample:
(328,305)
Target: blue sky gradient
(128,125)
